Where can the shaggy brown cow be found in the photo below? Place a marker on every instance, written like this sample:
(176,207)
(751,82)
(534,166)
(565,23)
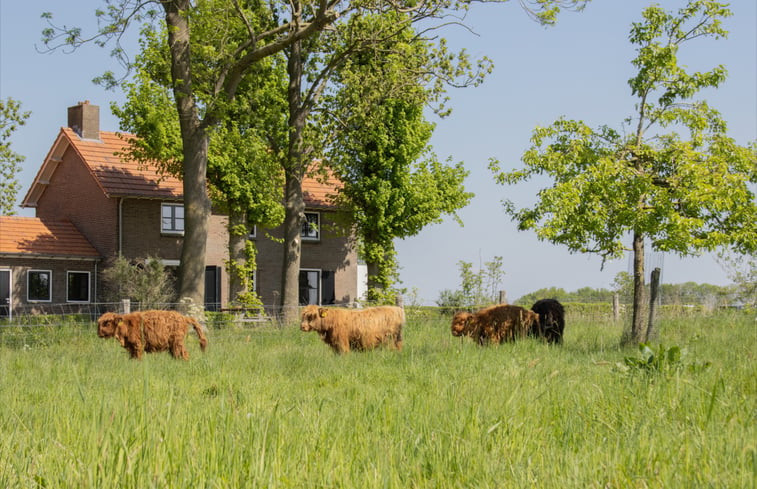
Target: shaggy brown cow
(150,331)
(359,329)
(495,324)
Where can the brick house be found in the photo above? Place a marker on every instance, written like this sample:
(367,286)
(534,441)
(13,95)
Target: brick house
(123,208)
(44,263)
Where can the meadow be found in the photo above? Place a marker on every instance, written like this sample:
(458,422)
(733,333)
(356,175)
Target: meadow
(274,407)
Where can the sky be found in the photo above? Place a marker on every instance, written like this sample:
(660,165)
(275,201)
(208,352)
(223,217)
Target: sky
(578,68)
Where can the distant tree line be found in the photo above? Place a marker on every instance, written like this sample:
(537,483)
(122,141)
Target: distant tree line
(689,293)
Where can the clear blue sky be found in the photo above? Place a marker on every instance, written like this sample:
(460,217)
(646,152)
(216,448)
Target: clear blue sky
(577,68)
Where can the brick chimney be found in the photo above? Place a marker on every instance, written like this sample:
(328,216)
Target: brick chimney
(84,119)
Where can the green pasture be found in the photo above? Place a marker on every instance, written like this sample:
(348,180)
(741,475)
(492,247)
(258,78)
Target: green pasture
(274,407)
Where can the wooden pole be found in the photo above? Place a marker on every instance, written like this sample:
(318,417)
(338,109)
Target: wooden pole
(503,297)
(654,292)
(615,307)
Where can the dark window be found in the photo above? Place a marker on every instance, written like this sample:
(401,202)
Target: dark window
(311,227)
(39,285)
(316,287)
(212,288)
(309,287)
(172,218)
(5,293)
(327,288)
(78,287)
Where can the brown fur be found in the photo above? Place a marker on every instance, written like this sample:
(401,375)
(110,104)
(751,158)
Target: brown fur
(495,324)
(150,331)
(359,329)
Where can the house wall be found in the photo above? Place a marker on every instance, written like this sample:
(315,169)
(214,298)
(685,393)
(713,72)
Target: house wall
(142,237)
(73,194)
(331,253)
(59,267)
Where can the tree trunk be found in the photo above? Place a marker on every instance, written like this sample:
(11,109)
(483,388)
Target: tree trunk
(294,202)
(637,323)
(238,232)
(294,206)
(195,152)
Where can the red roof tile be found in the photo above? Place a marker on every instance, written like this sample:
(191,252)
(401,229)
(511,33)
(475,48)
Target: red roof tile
(319,189)
(118,175)
(34,236)
(122,177)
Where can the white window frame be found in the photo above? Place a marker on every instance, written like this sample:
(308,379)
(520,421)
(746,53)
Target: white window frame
(89,286)
(254,233)
(320,285)
(172,229)
(308,236)
(49,285)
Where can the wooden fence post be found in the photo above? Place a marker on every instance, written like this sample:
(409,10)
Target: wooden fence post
(615,307)
(125,306)
(503,297)
(654,292)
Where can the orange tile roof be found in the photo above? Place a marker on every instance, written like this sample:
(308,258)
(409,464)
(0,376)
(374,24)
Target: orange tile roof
(122,177)
(320,188)
(34,236)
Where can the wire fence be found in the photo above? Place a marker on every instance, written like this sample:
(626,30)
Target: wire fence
(218,316)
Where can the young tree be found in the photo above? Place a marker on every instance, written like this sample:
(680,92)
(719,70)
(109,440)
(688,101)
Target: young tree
(144,281)
(477,288)
(682,195)
(11,117)
(742,270)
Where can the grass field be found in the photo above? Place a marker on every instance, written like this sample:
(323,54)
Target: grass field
(275,408)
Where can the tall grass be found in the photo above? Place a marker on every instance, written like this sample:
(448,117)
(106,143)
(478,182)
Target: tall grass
(275,408)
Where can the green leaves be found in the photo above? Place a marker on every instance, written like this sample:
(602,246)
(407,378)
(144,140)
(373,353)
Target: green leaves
(659,361)
(11,118)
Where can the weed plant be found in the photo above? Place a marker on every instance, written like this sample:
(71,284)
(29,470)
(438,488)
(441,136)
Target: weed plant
(275,408)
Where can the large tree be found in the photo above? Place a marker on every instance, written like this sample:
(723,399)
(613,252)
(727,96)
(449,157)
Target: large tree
(11,117)
(681,194)
(269,29)
(243,158)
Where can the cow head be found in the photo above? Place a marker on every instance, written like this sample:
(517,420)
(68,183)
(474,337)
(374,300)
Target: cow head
(311,318)
(462,324)
(107,325)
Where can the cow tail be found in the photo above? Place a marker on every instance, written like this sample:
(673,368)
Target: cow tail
(398,339)
(200,333)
